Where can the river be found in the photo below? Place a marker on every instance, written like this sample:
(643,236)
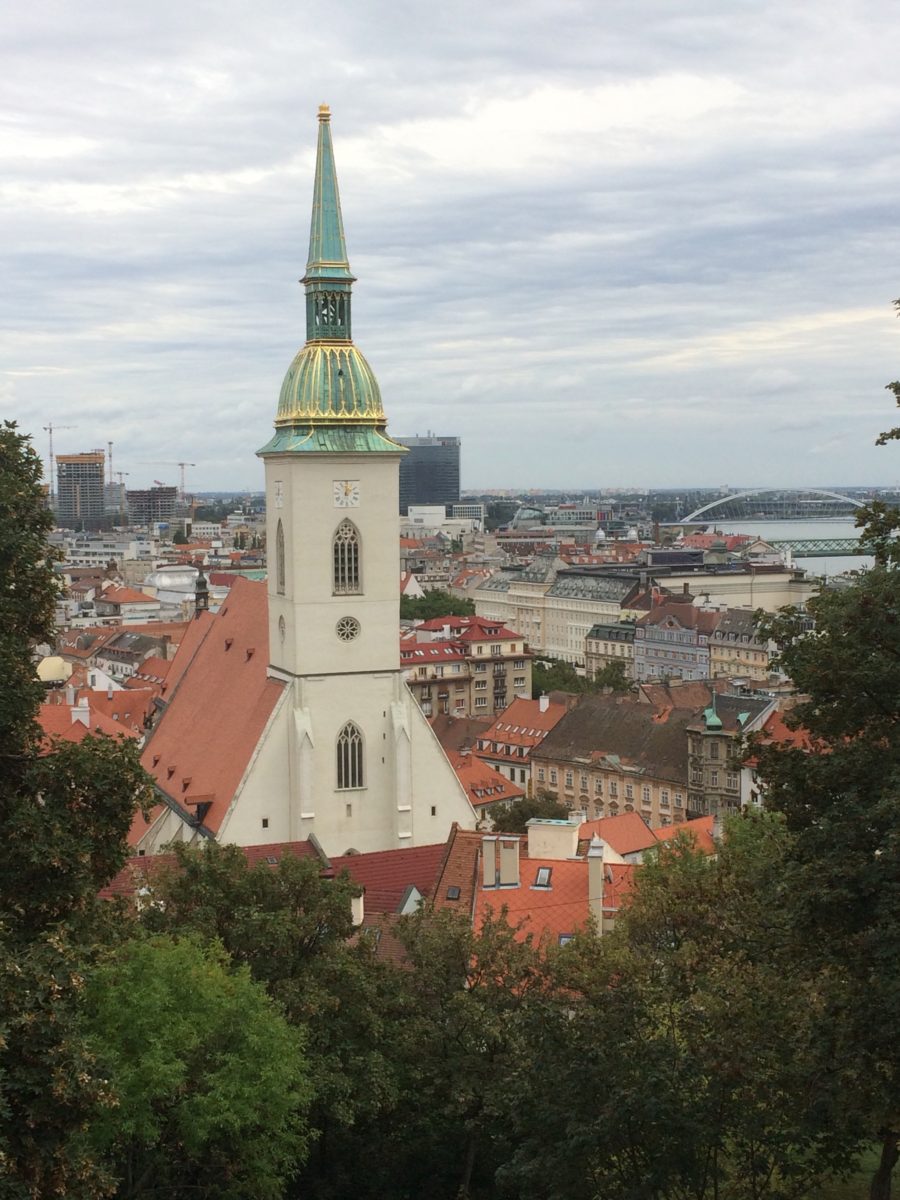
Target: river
(825,527)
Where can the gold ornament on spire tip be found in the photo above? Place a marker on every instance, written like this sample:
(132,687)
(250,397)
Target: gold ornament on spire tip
(324,112)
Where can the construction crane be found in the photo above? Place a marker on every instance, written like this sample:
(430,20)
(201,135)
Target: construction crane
(170,463)
(49,428)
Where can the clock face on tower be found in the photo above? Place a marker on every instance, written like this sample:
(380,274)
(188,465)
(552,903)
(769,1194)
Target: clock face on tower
(346,493)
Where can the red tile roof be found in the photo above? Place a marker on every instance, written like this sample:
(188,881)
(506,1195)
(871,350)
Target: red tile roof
(219,701)
(699,828)
(56,722)
(626,833)
(125,595)
(483,783)
(562,908)
(520,724)
(387,874)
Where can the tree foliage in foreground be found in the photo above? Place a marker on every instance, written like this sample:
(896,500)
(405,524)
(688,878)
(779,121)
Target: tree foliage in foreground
(209,1079)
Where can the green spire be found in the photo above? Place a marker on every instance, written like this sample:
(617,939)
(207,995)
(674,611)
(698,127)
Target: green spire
(327,250)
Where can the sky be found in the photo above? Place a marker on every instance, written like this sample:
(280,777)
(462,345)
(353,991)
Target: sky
(607,244)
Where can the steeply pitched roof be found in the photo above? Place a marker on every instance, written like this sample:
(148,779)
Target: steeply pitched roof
(458,733)
(219,699)
(653,743)
(627,833)
(484,784)
(387,875)
(699,828)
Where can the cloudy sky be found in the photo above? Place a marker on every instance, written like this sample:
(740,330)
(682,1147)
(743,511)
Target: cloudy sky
(605,242)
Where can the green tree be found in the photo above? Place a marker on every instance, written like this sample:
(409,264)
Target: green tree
(682,1054)
(840,801)
(64,812)
(613,676)
(457,1030)
(514,816)
(210,1080)
(436,603)
(291,926)
(179,538)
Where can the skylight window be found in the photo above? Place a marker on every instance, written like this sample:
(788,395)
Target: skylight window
(542,879)
(453,893)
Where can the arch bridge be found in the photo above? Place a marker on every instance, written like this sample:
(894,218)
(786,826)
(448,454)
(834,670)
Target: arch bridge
(780,504)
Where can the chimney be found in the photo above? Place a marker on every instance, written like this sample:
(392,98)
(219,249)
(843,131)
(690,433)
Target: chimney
(81,712)
(70,694)
(552,839)
(109,692)
(489,862)
(357,910)
(509,862)
(596,881)
(543,702)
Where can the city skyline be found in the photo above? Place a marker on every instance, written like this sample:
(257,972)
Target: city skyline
(622,247)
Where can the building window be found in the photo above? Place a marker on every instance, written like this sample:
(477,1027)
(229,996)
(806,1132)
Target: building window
(731,781)
(645,795)
(519,664)
(629,791)
(481,701)
(664,798)
(679,800)
(349,757)
(553,775)
(540,774)
(279,559)
(496,649)
(345,550)
(583,782)
(714,750)
(613,789)
(598,786)
(570,779)
(714,779)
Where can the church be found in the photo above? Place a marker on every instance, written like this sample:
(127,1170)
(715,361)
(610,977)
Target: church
(285,714)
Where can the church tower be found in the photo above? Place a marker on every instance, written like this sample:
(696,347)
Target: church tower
(360,750)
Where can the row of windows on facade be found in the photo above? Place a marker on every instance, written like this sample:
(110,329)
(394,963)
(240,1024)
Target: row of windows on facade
(731,781)
(346,560)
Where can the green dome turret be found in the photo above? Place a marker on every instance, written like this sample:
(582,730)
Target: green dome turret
(330,398)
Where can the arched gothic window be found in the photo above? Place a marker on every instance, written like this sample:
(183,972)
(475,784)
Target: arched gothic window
(345,556)
(349,757)
(279,559)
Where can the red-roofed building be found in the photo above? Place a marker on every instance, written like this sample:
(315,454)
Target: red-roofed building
(485,785)
(74,722)
(508,743)
(128,605)
(497,665)
(548,890)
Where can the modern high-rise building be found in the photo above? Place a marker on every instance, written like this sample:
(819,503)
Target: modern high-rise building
(146,506)
(79,489)
(429,474)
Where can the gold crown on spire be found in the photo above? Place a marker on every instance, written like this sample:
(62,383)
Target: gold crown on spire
(324,112)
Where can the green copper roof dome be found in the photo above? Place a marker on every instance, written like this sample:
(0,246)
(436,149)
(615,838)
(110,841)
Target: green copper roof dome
(329,383)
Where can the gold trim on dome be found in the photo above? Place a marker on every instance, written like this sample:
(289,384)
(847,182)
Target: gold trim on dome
(330,384)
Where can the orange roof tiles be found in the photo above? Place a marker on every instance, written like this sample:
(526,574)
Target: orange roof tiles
(57,722)
(626,833)
(699,828)
(219,701)
(483,783)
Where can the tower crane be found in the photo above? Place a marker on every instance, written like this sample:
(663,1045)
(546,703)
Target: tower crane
(172,463)
(49,428)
